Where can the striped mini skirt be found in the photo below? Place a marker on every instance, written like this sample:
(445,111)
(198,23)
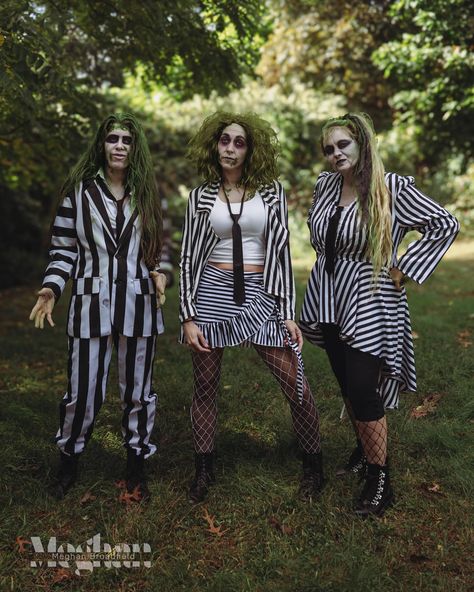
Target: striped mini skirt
(225,323)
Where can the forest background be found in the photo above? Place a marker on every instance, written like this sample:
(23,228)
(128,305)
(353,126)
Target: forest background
(64,65)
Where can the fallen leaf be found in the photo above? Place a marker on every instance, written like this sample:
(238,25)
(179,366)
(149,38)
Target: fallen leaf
(428,405)
(61,575)
(432,488)
(129,498)
(213,529)
(464,338)
(21,542)
(87,497)
(277,525)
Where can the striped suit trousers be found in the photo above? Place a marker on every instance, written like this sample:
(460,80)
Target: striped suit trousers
(88,368)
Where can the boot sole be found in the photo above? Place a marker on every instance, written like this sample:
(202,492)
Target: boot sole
(365,513)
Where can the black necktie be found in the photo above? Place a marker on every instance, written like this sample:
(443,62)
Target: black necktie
(237,254)
(330,244)
(120,218)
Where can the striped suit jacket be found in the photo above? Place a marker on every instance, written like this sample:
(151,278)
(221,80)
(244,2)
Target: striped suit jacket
(199,240)
(111,282)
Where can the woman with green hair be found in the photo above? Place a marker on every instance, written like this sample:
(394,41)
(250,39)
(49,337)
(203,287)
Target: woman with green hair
(107,238)
(355,304)
(236,283)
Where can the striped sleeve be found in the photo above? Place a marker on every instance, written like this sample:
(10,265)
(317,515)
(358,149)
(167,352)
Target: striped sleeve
(317,192)
(287,304)
(187,308)
(63,248)
(416,211)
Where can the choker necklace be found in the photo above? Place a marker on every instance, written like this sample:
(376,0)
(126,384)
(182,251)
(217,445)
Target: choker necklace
(237,254)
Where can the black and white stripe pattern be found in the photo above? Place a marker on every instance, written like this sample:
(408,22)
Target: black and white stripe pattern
(376,322)
(88,368)
(225,323)
(199,240)
(256,322)
(111,283)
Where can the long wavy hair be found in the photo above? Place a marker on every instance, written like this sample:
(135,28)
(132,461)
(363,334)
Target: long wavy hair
(260,166)
(373,196)
(140,179)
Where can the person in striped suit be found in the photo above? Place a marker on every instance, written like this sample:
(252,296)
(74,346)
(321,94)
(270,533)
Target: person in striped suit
(355,304)
(236,283)
(106,237)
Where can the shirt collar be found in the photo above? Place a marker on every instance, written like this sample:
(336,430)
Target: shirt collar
(100,176)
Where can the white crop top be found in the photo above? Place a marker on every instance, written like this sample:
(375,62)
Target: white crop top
(252,225)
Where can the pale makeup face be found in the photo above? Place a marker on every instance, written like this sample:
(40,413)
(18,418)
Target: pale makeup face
(341,150)
(117,146)
(232,148)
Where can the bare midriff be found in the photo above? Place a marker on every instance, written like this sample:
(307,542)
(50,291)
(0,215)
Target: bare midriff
(230,267)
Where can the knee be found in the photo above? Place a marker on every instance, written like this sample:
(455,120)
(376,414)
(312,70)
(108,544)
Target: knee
(206,385)
(366,405)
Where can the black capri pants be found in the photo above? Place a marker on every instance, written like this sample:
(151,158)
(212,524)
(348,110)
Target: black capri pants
(357,372)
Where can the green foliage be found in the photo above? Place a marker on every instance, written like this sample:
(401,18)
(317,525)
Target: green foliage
(329,49)
(56,59)
(430,65)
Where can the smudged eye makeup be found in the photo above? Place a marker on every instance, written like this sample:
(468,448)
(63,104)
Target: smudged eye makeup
(114,138)
(328,150)
(225,140)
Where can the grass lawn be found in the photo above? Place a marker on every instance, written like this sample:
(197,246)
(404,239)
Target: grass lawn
(252,534)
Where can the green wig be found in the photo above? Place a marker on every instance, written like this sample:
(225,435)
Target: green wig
(373,196)
(260,166)
(140,179)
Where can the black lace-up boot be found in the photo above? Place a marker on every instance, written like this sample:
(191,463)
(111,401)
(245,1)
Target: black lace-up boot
(66,475)
(377,493)
(136,477)
(356,463)
(312,481)
(204,463)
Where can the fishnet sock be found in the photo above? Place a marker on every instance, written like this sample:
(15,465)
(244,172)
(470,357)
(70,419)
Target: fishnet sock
(374,440)
(207,374)
(283,364)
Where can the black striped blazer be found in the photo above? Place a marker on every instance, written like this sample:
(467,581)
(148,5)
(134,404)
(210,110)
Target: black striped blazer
(111,282)
(199,240)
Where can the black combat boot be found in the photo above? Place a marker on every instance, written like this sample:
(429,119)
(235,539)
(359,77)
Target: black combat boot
(312,481)
(135,476)
(377,493)
(66,475)
(204,463)
(356,463)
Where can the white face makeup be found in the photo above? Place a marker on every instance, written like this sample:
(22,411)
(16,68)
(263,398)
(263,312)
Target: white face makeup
(117,146)
(341,150)
(232,148)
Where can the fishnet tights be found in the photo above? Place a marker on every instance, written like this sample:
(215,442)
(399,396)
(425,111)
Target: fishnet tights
(207,375)
(283,364)
(373,435)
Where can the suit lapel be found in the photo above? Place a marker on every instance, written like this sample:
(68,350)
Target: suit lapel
(269,194)
(207,197)
(127,230)
(92,193)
